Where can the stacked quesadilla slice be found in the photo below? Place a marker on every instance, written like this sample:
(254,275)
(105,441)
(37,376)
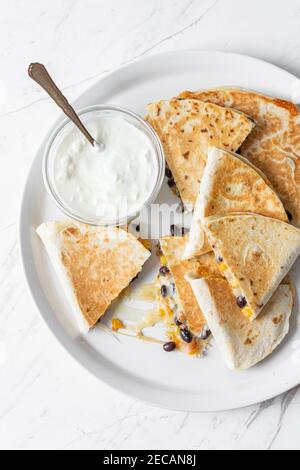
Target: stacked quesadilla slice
(187,128)
(273,145)
(241,343)
(230,184)
(254,253)
(94,265)
(176,300)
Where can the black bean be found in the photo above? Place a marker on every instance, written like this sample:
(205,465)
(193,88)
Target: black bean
(171,183)
(241,301)
(164,270)
(177,322)
(169,173)
(172,230)
(170,346)
(183,231)
(186,335)
(138,228)
(220,259)
(164,291)
(290,217)
(205,335)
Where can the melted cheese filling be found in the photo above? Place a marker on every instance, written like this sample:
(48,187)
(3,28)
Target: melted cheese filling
(234,284)
(169,307)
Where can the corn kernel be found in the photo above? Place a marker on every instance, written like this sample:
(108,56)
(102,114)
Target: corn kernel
(161,312)
(247,312)
(163,260)
(223,267)
(117,324)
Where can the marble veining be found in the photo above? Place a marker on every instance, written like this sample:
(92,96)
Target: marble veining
(46,399)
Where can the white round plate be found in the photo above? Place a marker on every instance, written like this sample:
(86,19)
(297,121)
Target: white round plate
(140,369)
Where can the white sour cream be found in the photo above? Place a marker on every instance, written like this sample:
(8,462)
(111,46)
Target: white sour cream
(105,182)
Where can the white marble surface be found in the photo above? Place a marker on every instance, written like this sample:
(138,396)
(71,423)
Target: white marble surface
(46,399)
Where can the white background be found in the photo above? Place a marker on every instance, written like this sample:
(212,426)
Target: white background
(46,399)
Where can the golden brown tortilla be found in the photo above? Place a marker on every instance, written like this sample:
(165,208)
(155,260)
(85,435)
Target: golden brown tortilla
(257,251)
(94,264)
(231,184)
(274,144)
(187,128)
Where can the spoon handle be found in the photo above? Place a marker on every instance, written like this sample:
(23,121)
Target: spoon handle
(39,74)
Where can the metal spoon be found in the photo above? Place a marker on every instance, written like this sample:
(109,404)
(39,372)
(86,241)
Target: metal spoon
(39,74)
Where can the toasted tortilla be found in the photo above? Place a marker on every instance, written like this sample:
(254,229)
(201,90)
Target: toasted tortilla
(94,265)
(230,184)
(202,266)
(242,343)
(274,144)
(255,253)
(187,128)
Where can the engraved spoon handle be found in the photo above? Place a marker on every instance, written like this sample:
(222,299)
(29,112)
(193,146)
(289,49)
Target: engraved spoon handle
(39,74)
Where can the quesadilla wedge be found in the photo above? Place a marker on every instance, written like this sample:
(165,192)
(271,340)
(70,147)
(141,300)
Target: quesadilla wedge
(94,265)
(175,296)
(242,343)
(230,184)
(254,253)
(187,128)
(274,144)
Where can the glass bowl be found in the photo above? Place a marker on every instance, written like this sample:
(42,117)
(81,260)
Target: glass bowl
(85,115)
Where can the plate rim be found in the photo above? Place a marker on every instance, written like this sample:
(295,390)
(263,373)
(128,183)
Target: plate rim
(68,343)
